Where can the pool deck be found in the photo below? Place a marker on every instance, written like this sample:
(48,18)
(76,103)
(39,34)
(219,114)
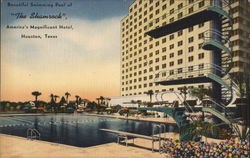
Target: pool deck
(18,147)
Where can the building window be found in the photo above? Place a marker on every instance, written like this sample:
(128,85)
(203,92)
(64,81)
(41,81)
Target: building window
(180,33)
(157,11)
(190,59)
(201,25)
(171,55)
(180,15)
(180,43)
(200,45)
(164,40)
(164,57)
(201,66)
(190,1)
(190,68)
(190,29)
(201,55)
(171,20)
(171,37)
(190,39)
(164,66)
(164,7)
(171,11)
(157,68)
(179,70)
(157,43)
(201,35)
(164,50)
(180,52)
(171,46)
(171,63)
(180,61)
(171,2)
(191,49)
(157,60)
(191,10)
(180,6)
(201,4)
(171,72)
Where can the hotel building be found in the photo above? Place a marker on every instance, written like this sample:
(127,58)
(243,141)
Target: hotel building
(143,57)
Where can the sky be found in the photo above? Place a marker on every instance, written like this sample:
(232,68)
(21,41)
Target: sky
(84,60)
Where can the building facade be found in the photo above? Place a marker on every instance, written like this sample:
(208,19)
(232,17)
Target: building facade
(143,57)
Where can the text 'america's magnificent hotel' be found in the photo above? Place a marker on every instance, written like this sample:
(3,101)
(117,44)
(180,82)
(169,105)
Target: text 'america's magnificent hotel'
(142,57)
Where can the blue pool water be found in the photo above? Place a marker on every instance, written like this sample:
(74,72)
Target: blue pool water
(76,130)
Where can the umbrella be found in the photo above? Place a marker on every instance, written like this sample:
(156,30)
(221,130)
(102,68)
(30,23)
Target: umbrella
(124,109)
(88,110)
(108,109)
(41,108)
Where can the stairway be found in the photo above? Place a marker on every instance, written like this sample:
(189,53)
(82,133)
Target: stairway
(216,40)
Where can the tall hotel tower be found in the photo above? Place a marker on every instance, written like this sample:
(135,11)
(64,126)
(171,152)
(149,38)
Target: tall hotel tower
(144,57)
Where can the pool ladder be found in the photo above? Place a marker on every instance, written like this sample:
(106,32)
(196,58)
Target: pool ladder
(33,133)
(162,129)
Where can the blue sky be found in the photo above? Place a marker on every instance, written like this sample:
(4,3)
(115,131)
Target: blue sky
(84,61)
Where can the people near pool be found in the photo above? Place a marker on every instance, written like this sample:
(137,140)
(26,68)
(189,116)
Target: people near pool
(232,148)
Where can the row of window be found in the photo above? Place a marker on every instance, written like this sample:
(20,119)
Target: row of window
(156,91)
(151,8)
(164,50)
(171,72)
(171,55)
(163,41)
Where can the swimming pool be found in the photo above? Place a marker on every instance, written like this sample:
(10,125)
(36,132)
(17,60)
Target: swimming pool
(76,130)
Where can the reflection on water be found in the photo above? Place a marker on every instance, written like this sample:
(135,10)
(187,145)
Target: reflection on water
(77,130)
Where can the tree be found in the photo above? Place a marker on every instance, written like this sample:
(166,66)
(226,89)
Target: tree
(102,99)
(184,92)
(200,93)
(67,94)
(52,98)
(98,100)
(150,93)
(107,100)
(36,94)
(77,101)
(199,128)
(55,97)
(62,101)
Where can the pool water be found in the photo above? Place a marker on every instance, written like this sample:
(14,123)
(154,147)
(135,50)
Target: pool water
(76,130)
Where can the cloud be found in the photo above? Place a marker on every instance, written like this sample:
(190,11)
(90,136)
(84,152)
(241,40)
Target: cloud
(85,57)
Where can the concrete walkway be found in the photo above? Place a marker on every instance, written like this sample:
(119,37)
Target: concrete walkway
(18,147)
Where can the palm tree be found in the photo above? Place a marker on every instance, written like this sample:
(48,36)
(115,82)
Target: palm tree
(102,99)
(55,97)
(52,102)
(150,93)
(77,99)
(200,93)
(184,92)
(199,128)
(52,98)
(67,94)
(98,100)
(107,100)
(36,94)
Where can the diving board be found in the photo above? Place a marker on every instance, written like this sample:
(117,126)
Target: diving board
(125,135)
